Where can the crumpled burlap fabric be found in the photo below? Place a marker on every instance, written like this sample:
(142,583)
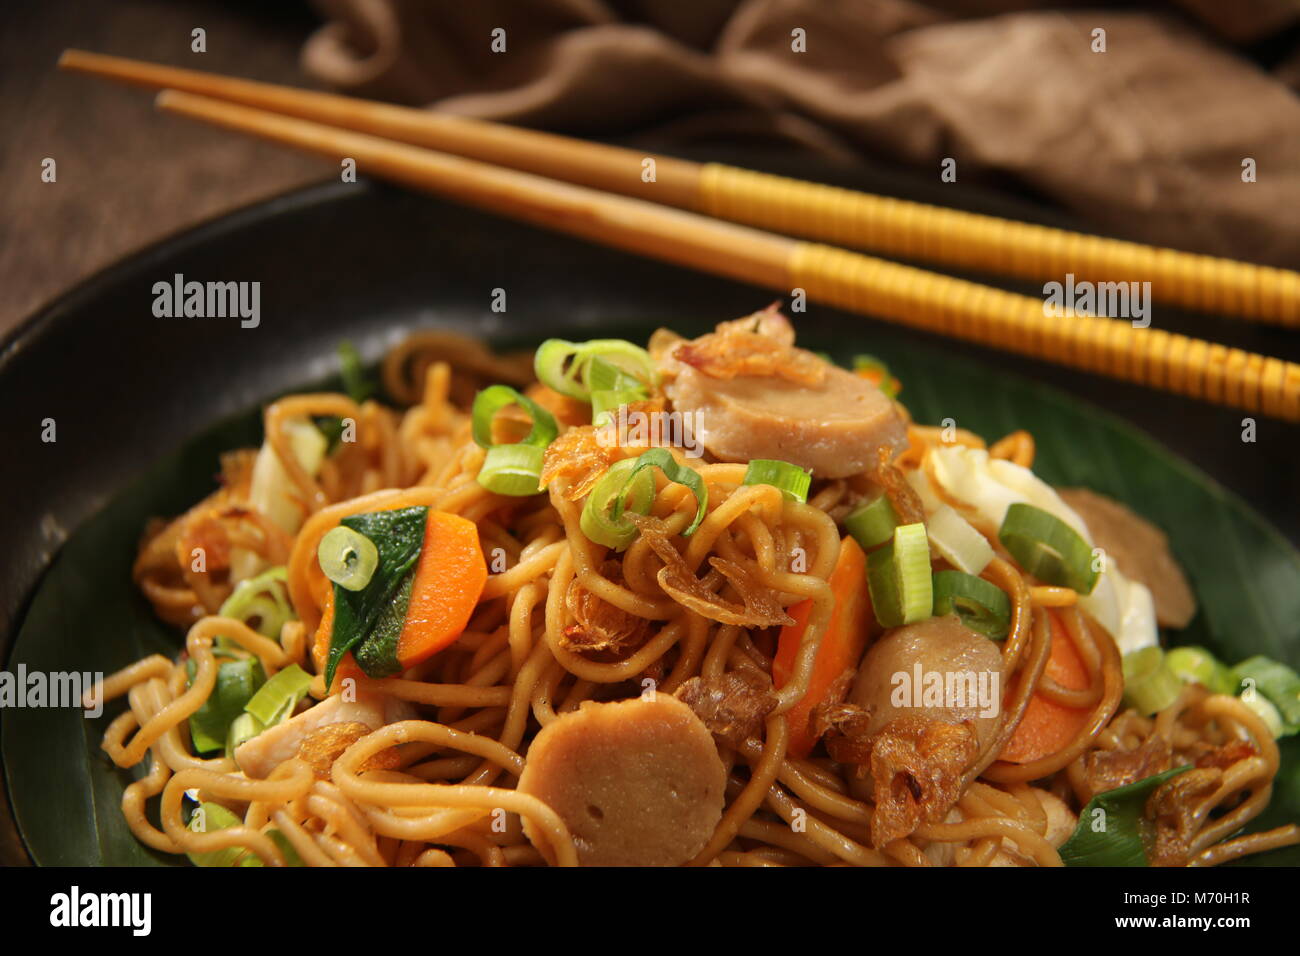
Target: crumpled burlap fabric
(1145,140)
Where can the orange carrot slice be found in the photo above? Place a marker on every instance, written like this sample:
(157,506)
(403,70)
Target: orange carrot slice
(841,647)
(1048,726)
(449,578)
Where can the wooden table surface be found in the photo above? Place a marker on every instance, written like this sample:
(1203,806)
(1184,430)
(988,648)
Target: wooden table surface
(126,175)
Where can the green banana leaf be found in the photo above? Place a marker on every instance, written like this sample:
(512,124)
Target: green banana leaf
(87,615)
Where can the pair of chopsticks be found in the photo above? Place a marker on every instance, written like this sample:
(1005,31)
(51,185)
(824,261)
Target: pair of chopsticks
(599,193)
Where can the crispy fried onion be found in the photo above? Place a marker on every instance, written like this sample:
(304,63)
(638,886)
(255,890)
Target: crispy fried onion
(164,566)
(1173,810)
(906,502)
(600,630)
(1110,769)
(320,748)
(732,705)
(581,455)
(917,764)
(759,345)
(760,607)
(845,726)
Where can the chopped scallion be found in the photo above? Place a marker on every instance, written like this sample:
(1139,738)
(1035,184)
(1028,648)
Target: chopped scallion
(793,481)
(982,606)
(512,470)
(1149,684)
(565,366)
(662,459)
(872,524)
(638,494)
(1048,548)
(1275,681)
(243,728)
(496,397)
(898,575)
(263,599)
(605,402)
(275,700)
(347,557)
(1196,665)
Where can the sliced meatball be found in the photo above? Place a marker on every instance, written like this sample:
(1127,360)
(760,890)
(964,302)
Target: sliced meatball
(751,394)
(940,645)
(638,782)
(262,754)
(913,752)
(1140,550)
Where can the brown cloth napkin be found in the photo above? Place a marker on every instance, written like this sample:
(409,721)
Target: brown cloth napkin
(1145,140)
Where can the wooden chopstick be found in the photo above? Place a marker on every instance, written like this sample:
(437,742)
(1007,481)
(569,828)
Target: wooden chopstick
(875,287)
(889,226)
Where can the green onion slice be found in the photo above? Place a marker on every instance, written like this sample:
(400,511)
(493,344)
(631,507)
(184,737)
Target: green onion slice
(1149,684)
(898,575)
(512,470)
(600,374)
(873,524)
(1263,709)
(1048,548)
(662,459)
(496,397)
(982,606)
(608,401)
(275,700)
(237,681)
(216,817)
(264,598)
(1196,665)
(1277,682)
(213,817)
(347,557)
(793,481)
(243,728)
(617,484)
(564,366)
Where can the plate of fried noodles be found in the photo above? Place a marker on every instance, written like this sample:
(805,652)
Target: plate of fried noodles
(696,587)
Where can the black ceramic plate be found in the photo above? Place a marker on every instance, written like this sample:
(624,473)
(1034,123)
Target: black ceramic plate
(142,405)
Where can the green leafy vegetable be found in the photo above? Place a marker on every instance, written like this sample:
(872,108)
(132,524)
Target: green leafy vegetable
(377,654)
(237,681)
(355,382)
(1113,829)
(398,536)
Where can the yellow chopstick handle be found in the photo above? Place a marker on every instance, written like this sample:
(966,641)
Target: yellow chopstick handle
(1017,323)
(912,230)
